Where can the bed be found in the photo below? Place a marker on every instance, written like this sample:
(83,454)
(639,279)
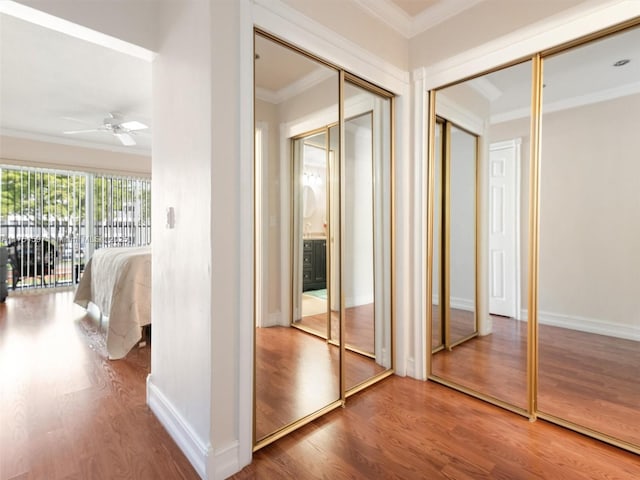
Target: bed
(118,282)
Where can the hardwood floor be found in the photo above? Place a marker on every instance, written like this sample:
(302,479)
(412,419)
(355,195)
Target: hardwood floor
(591,380)
(409,429)
(359,329)
(297,374)
(66,412)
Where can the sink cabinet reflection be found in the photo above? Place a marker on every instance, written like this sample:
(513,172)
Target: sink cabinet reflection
(314,264)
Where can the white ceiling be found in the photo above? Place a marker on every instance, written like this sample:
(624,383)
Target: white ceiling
(52,82)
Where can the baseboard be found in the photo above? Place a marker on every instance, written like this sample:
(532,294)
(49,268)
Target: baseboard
(197,452)
(411,368)
(462,304)
(365,299)
(224,462)
(584,324)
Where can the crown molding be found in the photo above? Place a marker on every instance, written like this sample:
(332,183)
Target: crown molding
(408,26)
(278,18)
(564,27)
(439,13)
(568,103)
(484,87)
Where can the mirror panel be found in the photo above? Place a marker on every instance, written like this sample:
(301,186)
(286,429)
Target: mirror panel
(310,204)
(461,163)
(296,373)
(437,332)
(486,354)
(367,234)
(588,313)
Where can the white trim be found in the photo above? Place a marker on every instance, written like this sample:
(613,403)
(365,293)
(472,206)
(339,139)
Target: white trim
(459,115)
(290,25)
(390,14)
(586,324)
(411,368)
(569,25)
(572,102)
(408,26)
(74,30)
(224,461)
(459,303)
(246,329)
(296,88)
(440,12)
(484,87)
(196,451)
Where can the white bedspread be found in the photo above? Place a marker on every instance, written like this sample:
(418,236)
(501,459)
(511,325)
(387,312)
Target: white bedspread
(118,282)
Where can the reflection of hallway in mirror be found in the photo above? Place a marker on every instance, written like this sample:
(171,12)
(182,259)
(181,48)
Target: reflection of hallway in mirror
(359,330)
(297,374)
(591,380)
(494,364)
(462,323)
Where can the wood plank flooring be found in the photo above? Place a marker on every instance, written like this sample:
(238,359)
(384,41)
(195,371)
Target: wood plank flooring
(66,412)
(591,380)
(409,429)
(359,326)
(297,374)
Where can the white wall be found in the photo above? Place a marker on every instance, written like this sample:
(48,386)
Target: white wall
(34,153)
(180,385)
(589,227)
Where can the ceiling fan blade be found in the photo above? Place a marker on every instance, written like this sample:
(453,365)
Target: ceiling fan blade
(84,131)
(125,139)
(133,125)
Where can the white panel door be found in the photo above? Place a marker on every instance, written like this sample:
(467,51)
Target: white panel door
(504,226)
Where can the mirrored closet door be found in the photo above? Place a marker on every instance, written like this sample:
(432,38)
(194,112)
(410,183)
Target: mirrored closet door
(589,256)
(480,213)
(323,192)
(557,228)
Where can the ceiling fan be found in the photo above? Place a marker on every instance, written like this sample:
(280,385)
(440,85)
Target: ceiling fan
(116,126)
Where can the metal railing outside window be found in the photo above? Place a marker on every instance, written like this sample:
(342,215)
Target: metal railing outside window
(52,221)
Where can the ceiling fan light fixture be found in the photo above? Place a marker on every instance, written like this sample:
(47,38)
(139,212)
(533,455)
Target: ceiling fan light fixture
(133,125)
(126,139)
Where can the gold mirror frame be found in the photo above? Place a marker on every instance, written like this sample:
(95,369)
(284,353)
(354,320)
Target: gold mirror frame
(532,412)
(344,392)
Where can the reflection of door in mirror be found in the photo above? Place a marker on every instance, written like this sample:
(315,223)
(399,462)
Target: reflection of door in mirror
(366,236)
(310,206)
(296,374)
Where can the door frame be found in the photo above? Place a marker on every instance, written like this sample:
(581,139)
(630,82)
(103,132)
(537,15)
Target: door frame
(516,220)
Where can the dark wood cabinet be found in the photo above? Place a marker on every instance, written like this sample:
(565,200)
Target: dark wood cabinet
(314,264)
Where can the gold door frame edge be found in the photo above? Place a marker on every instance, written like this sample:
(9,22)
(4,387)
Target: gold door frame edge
(287,429)
(589,432)
(481,396)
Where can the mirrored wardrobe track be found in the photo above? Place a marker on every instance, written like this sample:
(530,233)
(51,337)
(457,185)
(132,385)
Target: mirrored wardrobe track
(534,227)
(323,237)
